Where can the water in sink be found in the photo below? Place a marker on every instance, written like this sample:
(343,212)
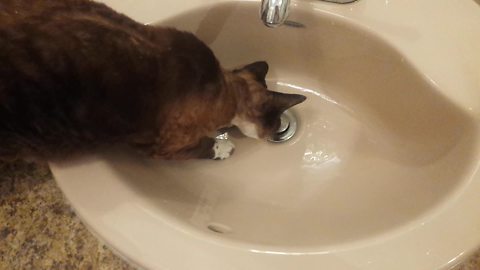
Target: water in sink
(378,148)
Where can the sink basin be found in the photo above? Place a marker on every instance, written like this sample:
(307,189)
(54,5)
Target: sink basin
(380,165)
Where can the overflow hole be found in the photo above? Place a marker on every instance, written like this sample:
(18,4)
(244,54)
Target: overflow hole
(219,228)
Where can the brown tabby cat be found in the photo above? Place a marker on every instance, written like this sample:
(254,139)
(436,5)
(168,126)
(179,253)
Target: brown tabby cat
(75,75)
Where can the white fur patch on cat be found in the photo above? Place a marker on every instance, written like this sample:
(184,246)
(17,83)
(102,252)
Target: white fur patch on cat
(248,128)
(223,149)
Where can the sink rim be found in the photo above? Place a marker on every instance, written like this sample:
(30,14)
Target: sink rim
(245,251)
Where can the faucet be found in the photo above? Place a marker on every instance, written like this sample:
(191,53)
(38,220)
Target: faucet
(275,12)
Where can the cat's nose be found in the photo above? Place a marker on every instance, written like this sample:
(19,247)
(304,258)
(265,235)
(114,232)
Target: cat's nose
(288,127)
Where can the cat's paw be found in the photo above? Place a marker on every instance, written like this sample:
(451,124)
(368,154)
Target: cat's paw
(222,149)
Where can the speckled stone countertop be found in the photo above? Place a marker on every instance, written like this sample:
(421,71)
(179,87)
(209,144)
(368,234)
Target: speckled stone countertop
(38,230)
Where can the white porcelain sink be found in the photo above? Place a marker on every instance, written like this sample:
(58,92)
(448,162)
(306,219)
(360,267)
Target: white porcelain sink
(380,175)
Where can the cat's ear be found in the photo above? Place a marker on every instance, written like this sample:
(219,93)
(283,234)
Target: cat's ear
(282,102)
(258,69)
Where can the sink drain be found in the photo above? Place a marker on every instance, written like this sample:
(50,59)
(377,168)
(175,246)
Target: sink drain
(288,127)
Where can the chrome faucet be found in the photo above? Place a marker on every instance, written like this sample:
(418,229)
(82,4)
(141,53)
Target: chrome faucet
(275,12)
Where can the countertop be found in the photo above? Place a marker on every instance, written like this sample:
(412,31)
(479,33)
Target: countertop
(39,230)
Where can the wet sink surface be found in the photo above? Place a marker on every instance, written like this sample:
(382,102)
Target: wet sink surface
(378,148)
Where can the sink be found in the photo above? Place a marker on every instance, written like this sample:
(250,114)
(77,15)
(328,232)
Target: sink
(383,157)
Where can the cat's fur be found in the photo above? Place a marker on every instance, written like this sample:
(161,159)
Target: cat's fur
(75,75)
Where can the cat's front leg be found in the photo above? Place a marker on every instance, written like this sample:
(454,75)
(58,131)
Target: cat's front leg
(212,148)
(222,149)
(205,148)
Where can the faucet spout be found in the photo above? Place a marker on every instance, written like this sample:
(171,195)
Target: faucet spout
(274,12)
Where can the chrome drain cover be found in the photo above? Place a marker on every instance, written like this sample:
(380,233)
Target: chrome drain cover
(288,127)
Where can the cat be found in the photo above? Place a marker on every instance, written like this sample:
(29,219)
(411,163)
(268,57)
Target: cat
(76,76)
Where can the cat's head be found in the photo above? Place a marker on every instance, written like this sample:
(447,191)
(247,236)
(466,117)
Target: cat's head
(259,109)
